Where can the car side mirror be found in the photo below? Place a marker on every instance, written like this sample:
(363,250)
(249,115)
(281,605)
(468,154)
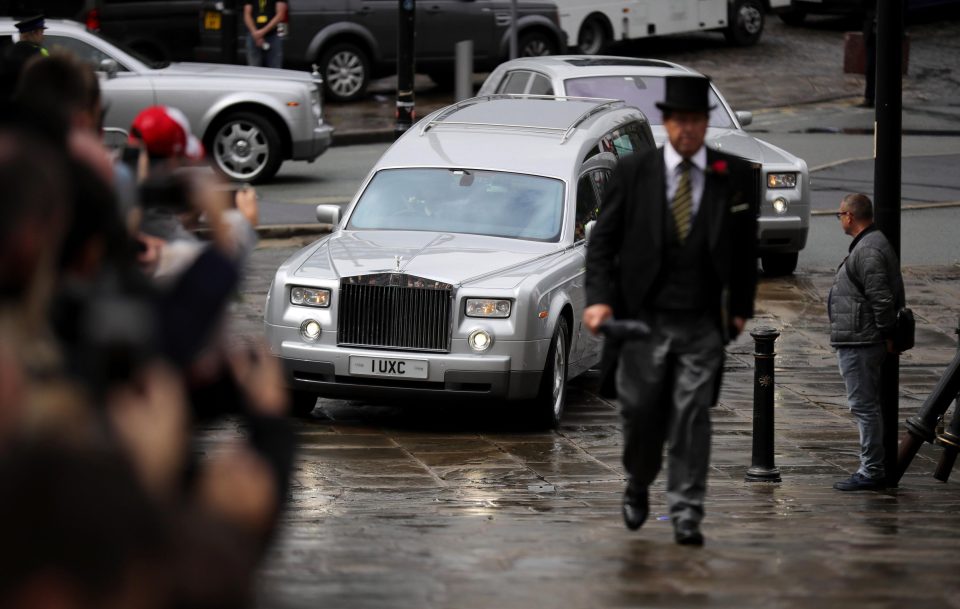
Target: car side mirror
(745,118)
(588,228)
(328,214)
(109,67)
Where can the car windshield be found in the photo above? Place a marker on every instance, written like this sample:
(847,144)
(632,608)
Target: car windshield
(641,91)
(495,203)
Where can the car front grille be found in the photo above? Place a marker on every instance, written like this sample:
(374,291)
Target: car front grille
(394,311)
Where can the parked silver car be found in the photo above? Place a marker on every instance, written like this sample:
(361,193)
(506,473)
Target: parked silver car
(458,269)
(783,181)
(249,119)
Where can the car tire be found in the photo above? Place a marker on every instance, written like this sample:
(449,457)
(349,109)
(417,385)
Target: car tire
(302,403)
(536,43)
(792,16)
(245,147)
(745,23)
(593,37)
(346,72)
(776,265)
(552,396)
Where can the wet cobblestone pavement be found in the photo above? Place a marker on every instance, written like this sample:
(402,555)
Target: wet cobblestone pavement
(454,506)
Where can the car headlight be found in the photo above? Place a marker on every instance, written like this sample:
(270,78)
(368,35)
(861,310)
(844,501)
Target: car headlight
(488,307)
(480,340)
(310,297)
(782,180)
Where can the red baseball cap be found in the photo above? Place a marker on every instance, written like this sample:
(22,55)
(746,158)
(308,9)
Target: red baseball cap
(165,132)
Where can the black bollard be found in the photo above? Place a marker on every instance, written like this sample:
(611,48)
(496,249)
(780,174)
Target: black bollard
(950,439)
(762,468)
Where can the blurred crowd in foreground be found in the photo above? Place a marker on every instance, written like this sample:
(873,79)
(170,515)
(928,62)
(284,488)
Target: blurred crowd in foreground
(113,357)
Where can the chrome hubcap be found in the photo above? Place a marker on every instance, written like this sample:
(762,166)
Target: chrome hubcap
(535,48)
(750,19)
(241,150)
(345,73)
(591,39)
(559,373)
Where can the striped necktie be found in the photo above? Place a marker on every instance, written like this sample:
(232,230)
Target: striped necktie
(682,204)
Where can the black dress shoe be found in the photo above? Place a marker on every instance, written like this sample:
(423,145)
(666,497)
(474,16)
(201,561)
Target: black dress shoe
(687,533)
(636,507)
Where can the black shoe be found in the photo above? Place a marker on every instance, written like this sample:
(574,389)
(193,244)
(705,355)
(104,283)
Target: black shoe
(859,482)
(687,533)
(636,507)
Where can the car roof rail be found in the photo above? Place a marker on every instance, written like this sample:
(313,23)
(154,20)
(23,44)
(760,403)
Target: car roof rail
(564,132)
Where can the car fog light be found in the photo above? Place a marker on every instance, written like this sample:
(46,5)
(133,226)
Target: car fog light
(480,340)
(780,205)
(310,330)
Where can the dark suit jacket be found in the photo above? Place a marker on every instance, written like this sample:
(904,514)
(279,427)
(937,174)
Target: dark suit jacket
(625,251)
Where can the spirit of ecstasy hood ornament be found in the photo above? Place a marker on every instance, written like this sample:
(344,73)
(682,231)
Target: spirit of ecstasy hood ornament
(397,260)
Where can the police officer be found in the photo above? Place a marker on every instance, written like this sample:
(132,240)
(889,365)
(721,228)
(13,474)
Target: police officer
(31,32)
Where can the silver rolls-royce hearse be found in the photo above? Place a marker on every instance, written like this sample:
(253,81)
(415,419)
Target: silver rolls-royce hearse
(458,269)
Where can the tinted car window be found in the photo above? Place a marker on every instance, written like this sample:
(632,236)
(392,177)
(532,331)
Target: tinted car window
(589,194)
(642,92)
(515,82)
(540,85)
(476,202)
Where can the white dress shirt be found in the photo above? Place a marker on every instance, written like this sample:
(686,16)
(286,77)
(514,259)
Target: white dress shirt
(672,160)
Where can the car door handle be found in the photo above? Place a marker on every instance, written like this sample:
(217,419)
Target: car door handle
(433,9)
(363,11)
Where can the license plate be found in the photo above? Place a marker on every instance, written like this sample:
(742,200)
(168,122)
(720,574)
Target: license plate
(389,367)
(211,20)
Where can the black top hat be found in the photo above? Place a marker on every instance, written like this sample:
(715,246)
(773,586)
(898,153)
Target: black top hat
(687,94)
(30,24)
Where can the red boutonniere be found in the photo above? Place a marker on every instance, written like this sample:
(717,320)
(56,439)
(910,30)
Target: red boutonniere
(718,167)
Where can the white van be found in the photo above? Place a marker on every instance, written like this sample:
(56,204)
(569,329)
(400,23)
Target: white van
(593,24)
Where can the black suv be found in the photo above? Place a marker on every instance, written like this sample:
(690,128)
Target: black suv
(160,30)
(354,41)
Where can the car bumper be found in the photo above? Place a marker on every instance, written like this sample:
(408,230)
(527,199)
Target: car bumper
(317,144)
(781,235)
(325,369)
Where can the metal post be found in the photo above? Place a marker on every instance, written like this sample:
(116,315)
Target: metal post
(950,439)
(886,189)
(405,66)
(513,29)
(922,427)
(762,468)
(464,72)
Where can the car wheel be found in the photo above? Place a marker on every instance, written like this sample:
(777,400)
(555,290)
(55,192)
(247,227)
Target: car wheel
(746,22)
(536,44)
(245,147)
(346,72)
(302,403)
(593,36)
(793,16)
(552,396)
(775,265)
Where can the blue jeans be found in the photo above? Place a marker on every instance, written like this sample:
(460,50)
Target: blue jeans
(271,58)
(860,368)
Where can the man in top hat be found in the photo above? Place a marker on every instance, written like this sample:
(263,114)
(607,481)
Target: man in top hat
(31,32)
(674,246)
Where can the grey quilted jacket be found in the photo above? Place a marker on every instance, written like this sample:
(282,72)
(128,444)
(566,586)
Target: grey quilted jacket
(866,314)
